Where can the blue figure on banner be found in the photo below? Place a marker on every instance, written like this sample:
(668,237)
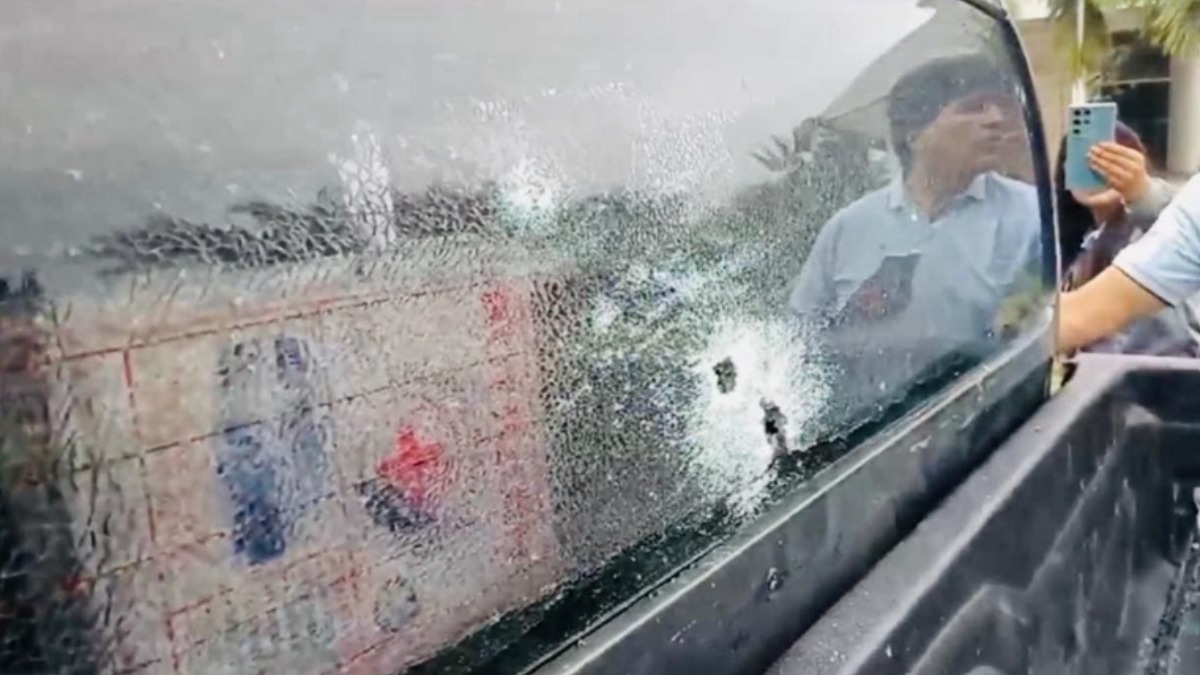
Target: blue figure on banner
(273,467)
(303,429)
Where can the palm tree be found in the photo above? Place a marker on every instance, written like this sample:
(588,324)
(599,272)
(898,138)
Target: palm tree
(1088,53)
(1171,25)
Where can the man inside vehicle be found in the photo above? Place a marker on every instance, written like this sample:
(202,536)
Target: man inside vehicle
(919,269)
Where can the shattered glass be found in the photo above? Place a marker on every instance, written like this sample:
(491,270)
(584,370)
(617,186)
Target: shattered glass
(421,335)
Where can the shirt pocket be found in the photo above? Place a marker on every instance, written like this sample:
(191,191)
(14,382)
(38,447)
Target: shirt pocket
(848,278)
(874,292)
(844,288)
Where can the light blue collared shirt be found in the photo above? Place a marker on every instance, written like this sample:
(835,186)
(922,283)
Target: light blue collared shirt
(971,256)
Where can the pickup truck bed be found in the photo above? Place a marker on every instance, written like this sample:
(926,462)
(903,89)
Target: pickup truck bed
(1072,550)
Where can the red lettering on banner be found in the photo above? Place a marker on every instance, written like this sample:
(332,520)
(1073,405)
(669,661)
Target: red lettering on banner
(415,466)
(495,302)
(510,407)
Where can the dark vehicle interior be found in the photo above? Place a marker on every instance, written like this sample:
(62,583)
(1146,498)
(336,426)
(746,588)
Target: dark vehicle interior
(532,336)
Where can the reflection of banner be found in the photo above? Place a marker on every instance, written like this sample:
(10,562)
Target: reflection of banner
(273,472)
(401,495)
(348,481)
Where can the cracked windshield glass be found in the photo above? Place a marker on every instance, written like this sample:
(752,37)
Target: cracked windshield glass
(415,335)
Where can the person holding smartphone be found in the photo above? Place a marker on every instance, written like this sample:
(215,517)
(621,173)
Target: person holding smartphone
(1159,270)
(1133,192)
(1093,226)
(919,269)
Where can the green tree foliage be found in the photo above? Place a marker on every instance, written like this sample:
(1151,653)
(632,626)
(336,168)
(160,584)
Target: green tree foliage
(1173,25)
(1170,25)
(1087,58)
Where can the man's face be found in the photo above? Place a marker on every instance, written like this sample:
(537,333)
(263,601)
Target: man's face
(972,135)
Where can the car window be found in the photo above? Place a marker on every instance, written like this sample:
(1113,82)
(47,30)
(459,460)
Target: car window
(402,333)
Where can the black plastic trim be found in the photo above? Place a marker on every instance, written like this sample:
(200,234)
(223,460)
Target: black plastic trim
(992,9)
(1036,129)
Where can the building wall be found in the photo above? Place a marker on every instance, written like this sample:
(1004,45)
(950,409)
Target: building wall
(1050,77)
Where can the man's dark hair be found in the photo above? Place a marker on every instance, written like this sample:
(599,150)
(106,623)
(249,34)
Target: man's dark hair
(920,95)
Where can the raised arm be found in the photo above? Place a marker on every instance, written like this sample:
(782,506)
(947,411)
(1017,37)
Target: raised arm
(1160,269)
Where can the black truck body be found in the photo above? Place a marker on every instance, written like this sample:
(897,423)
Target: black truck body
(1073,549)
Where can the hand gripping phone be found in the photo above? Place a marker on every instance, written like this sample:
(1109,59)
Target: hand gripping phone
(1089,125)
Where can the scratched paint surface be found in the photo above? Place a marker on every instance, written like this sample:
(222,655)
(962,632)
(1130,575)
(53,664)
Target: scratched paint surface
(350,340)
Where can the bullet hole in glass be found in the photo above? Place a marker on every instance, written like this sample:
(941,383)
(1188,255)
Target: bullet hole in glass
(726,376)
(775,426)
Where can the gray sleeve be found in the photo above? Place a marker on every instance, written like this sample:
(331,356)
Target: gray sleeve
(1151,204)
(812,291)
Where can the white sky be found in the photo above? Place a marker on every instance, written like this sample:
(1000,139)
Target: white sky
(111,108)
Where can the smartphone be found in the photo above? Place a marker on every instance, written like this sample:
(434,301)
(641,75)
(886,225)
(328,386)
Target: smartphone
(887,292)
(1090,124)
